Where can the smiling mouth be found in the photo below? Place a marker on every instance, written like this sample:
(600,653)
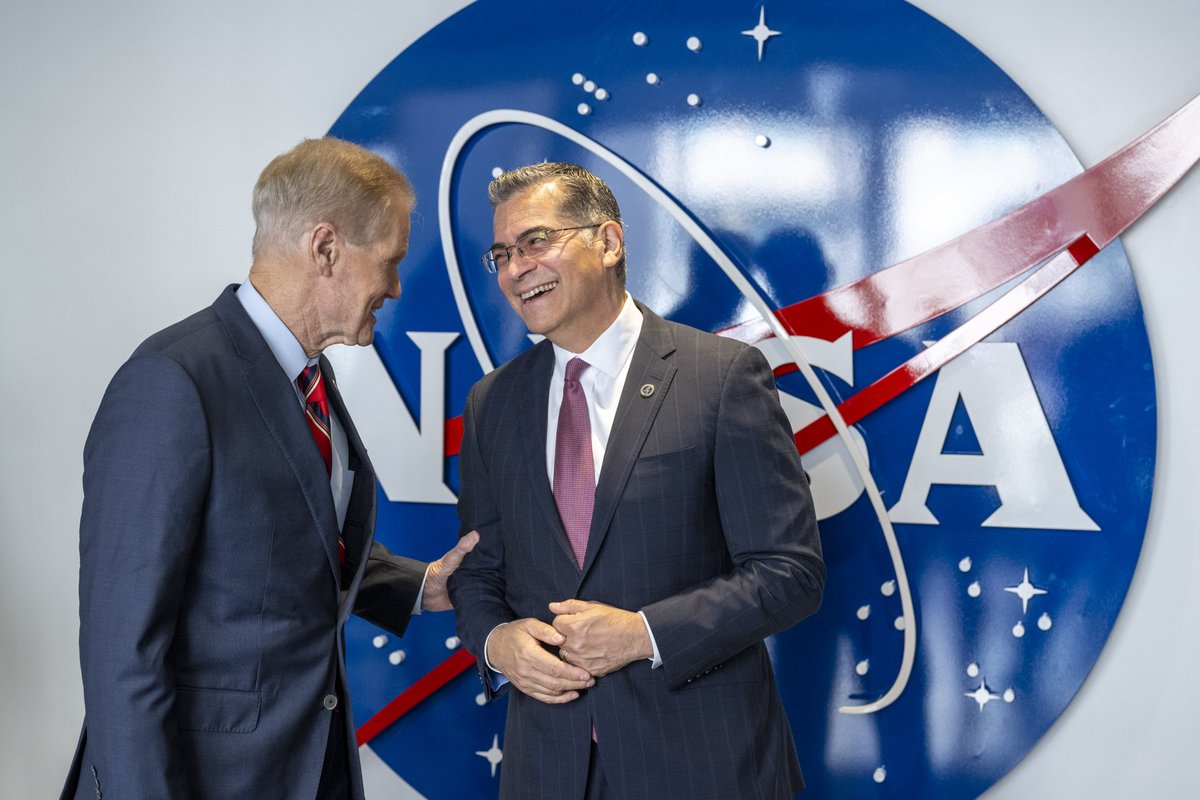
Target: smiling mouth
(534,292)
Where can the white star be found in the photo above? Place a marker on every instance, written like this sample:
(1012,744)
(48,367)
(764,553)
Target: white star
(982,695)
(494,755)
(761,32)
(1025,590)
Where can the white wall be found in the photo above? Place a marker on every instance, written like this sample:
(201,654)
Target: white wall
(130,137)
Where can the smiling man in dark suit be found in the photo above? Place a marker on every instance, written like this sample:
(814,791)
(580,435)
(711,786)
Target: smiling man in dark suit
(229,511)
(645,524)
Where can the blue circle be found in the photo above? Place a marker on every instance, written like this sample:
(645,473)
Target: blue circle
(888,135)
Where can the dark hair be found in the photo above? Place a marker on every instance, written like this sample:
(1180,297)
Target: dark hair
(584,197)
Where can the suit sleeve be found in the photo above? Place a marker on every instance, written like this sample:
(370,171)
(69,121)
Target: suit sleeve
(146,472)
(387,594)
(770,531)
(477,588)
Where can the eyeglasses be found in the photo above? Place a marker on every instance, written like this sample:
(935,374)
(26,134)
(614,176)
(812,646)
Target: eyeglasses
(531,245)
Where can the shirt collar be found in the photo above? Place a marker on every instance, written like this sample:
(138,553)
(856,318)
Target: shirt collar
(283,343)
(612,348)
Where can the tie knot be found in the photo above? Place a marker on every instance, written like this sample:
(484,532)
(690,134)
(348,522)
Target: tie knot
(575,368)
(310,384)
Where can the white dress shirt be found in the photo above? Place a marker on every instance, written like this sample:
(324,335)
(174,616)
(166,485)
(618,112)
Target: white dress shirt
(609,358)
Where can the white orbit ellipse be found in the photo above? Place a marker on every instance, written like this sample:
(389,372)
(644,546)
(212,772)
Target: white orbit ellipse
(503,116)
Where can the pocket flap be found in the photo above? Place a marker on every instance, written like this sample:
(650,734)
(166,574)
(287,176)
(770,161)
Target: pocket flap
(219,710)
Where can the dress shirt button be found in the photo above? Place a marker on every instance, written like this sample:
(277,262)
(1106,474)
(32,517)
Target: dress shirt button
(330,702)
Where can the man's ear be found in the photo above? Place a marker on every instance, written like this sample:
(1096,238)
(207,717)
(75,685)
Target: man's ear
(323,247)
(613,237)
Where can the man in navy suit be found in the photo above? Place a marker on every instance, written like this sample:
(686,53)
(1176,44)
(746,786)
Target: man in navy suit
(228,516)
(628,571)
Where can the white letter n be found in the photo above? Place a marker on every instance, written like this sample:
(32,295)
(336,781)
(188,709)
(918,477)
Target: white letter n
(409,461)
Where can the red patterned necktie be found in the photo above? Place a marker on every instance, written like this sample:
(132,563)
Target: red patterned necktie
(574,470)
(316,414)
(316,411)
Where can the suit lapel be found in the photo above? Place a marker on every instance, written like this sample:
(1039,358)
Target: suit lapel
(651,366)
(360,518)
(281,411)
(358,452)
(538,375)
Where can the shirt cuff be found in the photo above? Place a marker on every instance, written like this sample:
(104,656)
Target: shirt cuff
(420,593)
(655,662)
(495,677)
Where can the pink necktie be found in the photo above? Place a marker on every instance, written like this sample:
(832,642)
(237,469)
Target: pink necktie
(574,471)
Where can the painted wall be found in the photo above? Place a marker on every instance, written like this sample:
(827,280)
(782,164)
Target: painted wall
(131,138)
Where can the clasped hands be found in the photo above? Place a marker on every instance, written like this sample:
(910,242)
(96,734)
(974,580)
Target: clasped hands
(593,639)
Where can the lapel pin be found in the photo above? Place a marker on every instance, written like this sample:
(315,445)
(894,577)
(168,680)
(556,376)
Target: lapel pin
(647,389)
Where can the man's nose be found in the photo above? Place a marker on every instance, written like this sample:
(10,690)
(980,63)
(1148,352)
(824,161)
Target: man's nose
(519,264)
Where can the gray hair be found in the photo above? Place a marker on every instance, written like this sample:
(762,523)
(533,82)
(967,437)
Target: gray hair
(327,180)
(584,196)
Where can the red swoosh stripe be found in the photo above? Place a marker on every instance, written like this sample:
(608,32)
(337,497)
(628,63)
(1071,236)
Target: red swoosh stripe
(1101,202)
(435,679)
(933,358)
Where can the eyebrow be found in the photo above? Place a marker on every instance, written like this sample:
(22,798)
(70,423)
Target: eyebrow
(522,235)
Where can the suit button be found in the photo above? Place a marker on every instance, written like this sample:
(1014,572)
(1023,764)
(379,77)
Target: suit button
(330,702)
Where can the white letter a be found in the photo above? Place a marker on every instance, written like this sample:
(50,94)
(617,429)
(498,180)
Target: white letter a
(1019,456)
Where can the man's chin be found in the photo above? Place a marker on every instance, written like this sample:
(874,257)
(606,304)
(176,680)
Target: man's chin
(361,339)
(366,334)
(536,323)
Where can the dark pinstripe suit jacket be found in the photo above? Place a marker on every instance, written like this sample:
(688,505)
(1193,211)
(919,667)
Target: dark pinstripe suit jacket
(211,600)
(703,519)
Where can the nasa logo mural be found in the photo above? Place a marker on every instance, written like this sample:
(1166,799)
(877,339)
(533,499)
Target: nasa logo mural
(981,527)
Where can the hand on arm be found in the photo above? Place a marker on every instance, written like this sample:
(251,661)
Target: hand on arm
(436,597)
(518,650)
(598,637)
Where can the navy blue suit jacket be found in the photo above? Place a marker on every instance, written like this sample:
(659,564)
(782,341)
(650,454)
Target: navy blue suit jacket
(703,520)
(211,598)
